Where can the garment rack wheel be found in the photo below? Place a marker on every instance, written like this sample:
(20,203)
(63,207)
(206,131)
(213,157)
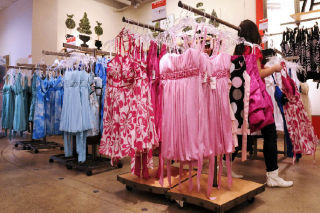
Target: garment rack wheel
(16,145)
(89,173)
(51,160)
(36,151)
(69,167)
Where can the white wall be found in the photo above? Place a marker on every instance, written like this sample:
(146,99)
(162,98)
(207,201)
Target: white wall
(280,15)
(16,31)
(233,11)
(96,11)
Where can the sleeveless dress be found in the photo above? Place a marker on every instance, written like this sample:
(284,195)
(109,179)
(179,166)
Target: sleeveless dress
(34,96)
(26,98)
(71,113)
(84,99)
(58,102)
(128,119)
(39,126)
(7,107)
(19,122)
(300,128)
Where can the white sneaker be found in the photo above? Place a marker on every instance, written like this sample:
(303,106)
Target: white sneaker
(273,180)
(233,174)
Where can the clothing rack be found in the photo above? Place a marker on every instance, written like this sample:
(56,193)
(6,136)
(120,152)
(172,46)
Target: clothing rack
(204,14)
(150,27)
(93,161)
(34,145)
(92,51)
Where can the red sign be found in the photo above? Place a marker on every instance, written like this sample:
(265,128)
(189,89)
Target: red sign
(157,4)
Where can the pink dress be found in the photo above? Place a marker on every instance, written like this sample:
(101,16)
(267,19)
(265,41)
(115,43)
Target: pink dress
(128,121)
(300,128)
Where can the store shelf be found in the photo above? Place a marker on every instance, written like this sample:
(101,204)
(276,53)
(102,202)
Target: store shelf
(305,15)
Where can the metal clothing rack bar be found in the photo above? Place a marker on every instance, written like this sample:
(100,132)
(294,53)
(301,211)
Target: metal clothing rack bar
(21,67)
(44,52)
(150,27)
(204,14)
(94,52)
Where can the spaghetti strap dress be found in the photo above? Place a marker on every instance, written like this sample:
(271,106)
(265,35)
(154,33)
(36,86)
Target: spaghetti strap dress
(19,122)
(7,107)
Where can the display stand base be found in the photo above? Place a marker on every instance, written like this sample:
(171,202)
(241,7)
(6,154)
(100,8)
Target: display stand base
(91,166)
(152,184)
(225,198)
(35,146)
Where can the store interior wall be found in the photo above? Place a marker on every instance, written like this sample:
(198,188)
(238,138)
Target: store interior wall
(16,31)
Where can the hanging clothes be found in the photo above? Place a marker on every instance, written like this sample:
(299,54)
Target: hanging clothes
(27,100)
(19,122)
(128,119)
(7,106)
(39,125)
(58,102)
(239,98)
(34,96)
(305,99)
(300,128)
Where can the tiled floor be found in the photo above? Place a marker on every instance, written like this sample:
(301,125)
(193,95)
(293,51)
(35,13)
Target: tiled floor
(29,183)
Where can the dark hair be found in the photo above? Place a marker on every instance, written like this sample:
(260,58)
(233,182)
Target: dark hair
(249,31)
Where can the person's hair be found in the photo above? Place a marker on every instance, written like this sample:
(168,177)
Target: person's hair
(249,31)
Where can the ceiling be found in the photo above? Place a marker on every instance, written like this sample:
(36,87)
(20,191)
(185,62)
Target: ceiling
(6,3)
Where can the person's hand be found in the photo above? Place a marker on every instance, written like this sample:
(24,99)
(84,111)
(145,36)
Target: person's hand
(277,68)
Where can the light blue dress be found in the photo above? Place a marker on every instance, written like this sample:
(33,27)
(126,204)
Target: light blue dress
(71,115)
(39,128)
(34,96)
(7,107)
(85,82)
(49,106)
(58,101)
(19,118)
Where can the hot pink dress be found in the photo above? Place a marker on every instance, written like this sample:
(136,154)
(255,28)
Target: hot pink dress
(128,121)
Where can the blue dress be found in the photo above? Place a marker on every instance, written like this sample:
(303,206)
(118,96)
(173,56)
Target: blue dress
(19,119)
(71,115)
(7,107)
(39,128)
(58,101)
(85,82)
(34,96)
(49,106)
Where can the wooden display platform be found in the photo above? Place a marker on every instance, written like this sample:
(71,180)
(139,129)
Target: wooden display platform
(152,184)
(241,191)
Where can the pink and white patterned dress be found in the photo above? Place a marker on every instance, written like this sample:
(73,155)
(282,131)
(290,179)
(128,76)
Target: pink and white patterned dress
(300,128)
(128,121)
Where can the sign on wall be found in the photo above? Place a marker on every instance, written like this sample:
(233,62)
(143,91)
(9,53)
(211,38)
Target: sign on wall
(159,10)
(263,24)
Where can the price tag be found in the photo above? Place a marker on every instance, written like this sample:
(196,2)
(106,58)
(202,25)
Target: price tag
(213,82)
(153,74)
(159,10)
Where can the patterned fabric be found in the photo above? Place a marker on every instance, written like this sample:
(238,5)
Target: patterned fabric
(58,101)
(128,119)
(34,96)
(95,112)
(19,118)
(300,128)
(39,130)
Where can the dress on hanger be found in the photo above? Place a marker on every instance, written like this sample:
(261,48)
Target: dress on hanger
(7,107)
(34,96)
(26,98)
(19,122)
(71,115)
(128,119)
(299,125)
(260,103)
(39,125)
(58,102)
